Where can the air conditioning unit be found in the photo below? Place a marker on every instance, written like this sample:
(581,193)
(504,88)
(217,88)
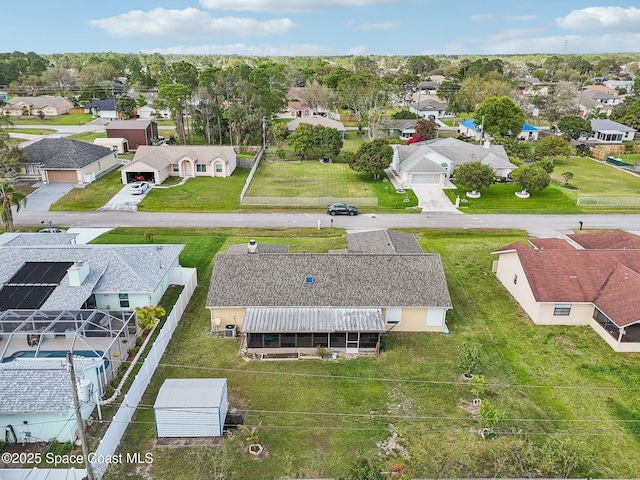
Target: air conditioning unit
(230,331)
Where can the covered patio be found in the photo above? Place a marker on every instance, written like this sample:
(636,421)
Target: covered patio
(106,335)
(622,338)
(302,331)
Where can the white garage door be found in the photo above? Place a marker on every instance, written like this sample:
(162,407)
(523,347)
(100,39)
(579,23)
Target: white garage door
(425,179)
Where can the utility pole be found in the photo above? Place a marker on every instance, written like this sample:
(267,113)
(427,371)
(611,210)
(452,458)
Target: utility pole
(79,420)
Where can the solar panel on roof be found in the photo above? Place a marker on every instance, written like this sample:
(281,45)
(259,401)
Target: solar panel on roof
(40,273)
(19,297)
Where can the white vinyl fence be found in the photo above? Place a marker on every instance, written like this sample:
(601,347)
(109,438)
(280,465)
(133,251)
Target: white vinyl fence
(251,174)
(609,201)
(123,416)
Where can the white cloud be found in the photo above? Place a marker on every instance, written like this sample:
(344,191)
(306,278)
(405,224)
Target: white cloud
(481,18)
(520,18)
(287,5)
(255,50)
(363,27)
(602,18)
(508,43)
(186,24)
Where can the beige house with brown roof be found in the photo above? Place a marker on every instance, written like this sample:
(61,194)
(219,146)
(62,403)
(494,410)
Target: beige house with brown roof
(156,163)
(47,104)
(591,279)
(291,303)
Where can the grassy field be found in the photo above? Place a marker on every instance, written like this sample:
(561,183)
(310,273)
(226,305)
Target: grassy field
(88,137)
(93,196)
(198,195)
(592,178)
(560,386)
(79,119)
(310,178)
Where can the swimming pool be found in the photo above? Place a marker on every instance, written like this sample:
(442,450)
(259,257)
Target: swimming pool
(52,354)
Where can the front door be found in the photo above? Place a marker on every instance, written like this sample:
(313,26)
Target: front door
(353,339)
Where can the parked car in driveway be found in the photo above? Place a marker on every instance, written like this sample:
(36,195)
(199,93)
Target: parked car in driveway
(51,230)
(341,209)
(139,188)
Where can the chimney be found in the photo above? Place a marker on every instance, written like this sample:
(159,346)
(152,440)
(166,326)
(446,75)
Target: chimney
(77,273)
(252,246)
(487,144)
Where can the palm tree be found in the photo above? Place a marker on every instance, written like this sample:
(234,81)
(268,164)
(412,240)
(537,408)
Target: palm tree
(10,197)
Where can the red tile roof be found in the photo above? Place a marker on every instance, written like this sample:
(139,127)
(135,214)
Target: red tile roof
(607,240)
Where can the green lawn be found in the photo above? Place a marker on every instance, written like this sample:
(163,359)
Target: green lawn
(88,137)
(310,178)
(93,196)
(32,131)
(79,119)
(592,178)
(201,194)
(550,382)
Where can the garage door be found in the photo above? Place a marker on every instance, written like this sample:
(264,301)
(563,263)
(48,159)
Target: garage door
(62,176)
(425,179)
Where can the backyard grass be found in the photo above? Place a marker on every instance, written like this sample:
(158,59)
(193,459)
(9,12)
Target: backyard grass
(201,194)
(79,119)
(93,196)
(316,416)
(593,178)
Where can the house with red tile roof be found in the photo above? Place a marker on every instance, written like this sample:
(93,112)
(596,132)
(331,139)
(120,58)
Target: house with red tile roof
(589,279)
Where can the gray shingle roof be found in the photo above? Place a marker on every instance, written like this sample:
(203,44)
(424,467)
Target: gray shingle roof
(42,101)
(600,124)
(112,268)
(31,239)
(64,153)
(352,281)
(107,104)
(383,241)
(164,155)
(39,385)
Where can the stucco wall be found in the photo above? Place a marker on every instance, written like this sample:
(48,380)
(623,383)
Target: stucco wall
(415,320)
(509,266)
(229,316)
(581,314)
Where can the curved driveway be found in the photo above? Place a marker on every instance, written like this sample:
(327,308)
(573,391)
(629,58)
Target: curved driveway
(539,225)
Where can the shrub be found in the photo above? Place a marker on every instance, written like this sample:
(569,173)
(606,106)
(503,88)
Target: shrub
(469,358)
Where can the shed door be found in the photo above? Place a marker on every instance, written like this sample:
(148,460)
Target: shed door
(353,339)
(62,176)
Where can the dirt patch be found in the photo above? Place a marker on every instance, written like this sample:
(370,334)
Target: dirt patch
(392,445)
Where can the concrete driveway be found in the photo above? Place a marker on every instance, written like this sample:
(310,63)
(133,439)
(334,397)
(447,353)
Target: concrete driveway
(45,195)
(431,198)
(123,200)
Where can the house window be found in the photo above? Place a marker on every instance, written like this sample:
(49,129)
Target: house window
(218,168)
(124,300)
(32,169)
(562,310)
(515,279)
(175,167)
(320,339)
(393,315)
(201,168)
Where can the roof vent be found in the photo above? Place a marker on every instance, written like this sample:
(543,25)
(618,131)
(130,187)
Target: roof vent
(252,246)
(308,279)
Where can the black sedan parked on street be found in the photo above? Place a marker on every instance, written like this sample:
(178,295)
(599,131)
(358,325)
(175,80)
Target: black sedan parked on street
(341,209)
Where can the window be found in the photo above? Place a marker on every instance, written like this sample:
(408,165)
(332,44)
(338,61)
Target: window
(32,169)
(218,167)
(320,340)
(287,340)
(175,167)
(515,279)
(305,340)
(338,340)
(201,168)
(124,300)
(394,314)
(562,310)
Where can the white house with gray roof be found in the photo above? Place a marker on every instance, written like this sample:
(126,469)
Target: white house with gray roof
(607,131)
(36,402)
(294,303)
(56,277)
(433,162)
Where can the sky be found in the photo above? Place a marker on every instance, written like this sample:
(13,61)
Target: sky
(321,27)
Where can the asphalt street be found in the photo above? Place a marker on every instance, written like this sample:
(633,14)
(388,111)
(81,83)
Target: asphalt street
(537,225)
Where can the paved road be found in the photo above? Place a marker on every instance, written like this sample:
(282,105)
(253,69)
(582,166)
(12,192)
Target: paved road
(539,225)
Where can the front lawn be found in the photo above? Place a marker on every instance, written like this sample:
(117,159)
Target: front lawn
(200,194)
(77,119)
(32,131)
(88,137)
(93,196)
(551,383)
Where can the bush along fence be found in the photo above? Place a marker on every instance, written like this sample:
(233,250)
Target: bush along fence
(123,416)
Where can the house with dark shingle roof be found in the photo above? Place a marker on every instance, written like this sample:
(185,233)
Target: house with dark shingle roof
(592,279)
(293,303)
(102,108)
(62,160)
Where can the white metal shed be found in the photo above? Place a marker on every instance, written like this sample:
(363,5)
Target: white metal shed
(191,407)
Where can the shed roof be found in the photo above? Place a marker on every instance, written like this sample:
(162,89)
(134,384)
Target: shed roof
(191,393)
(129,124)
(322,280)
(306,319)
